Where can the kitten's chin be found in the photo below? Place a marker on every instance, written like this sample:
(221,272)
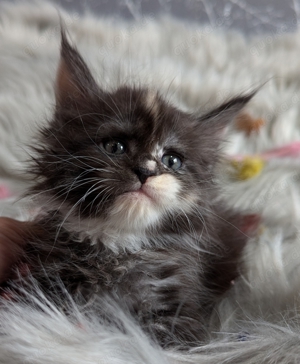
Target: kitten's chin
(145,207)
(133,212)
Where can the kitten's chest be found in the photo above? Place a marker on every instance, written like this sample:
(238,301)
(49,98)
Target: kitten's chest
(151,277)
(156,285)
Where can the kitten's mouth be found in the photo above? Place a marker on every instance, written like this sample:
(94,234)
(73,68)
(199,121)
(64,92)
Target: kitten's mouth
(159,190)
(141,192)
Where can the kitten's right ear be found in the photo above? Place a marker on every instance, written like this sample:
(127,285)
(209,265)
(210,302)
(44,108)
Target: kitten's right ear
(222,115)
(74,81)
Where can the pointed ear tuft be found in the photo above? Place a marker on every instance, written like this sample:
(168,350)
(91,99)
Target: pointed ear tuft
(74,81)
(222,115)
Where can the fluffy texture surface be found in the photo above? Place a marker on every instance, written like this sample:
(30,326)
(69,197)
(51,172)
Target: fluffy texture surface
(257,322)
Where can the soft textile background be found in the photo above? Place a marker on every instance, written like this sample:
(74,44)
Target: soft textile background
(196,68)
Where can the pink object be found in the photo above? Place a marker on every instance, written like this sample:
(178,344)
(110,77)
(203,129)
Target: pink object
(4,192)
(289,150)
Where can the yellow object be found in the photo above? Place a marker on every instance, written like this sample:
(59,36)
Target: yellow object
(248,167)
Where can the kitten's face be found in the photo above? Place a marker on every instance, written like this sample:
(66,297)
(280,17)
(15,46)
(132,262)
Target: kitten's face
(126,159)
(129,158)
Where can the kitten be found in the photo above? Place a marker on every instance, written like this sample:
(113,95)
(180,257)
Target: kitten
(129,210)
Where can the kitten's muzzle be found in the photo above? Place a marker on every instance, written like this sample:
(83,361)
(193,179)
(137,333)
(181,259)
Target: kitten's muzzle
(144,173)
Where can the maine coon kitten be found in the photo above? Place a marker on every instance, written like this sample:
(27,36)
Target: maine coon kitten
(125,181)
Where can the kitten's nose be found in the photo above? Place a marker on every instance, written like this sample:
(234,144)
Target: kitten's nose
(144,173)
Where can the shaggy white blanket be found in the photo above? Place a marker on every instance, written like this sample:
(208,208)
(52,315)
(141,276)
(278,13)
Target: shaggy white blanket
(258,321)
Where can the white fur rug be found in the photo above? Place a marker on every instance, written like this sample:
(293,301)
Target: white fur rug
(258,321)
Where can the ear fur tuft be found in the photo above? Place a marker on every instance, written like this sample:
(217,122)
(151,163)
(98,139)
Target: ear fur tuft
(222,115)
(74,81)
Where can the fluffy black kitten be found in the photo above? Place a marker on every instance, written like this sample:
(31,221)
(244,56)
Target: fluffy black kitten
(129,210)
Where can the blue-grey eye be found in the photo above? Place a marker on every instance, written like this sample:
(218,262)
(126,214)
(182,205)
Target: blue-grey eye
(172,161)
(114,147)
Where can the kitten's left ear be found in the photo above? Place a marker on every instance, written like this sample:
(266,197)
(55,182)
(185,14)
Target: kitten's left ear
(74,81)
(220,117)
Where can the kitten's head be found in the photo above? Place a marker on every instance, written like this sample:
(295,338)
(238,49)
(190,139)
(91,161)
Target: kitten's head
(127,160)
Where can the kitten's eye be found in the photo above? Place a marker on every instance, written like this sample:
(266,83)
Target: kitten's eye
(114,147)
(172,161)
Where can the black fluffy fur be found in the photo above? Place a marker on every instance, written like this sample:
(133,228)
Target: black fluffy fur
(171,283)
